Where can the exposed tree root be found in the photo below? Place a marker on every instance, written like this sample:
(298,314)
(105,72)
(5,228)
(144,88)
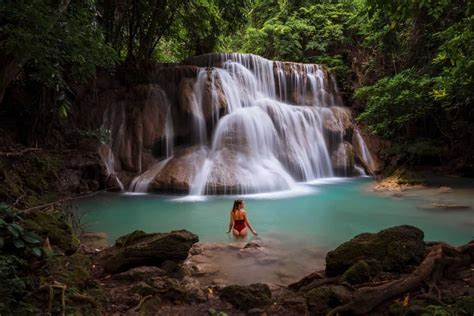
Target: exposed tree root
(50,288)
(136,308)
(441,257)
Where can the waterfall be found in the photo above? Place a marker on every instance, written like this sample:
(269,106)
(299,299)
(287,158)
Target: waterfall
(263,142)
(365,155)
(142,182)
(261,125)
(108,159)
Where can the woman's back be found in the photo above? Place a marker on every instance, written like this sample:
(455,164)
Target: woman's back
(239,215)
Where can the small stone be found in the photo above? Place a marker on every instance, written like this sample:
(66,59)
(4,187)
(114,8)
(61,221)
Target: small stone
(206,269)
(445,190)
(196,249)
(252,245)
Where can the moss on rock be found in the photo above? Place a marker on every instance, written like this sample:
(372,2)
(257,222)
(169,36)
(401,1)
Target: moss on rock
(359,272)
(393,248)
(321,300)
(139,249)
(50,225)
(247,297)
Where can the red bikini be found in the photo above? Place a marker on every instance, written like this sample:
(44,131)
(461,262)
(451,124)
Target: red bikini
(239,224)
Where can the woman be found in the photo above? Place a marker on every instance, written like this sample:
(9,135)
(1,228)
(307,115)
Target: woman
(238,220)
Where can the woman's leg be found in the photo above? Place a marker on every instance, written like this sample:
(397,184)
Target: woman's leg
(243,232)
(235,232)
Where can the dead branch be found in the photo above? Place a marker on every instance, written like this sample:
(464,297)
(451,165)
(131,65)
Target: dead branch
(136,308)
(19,153)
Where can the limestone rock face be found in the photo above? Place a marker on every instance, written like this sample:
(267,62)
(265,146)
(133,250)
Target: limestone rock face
(370,161)
(179,173)
(337,120)
(247,297)
(342,159)
(141,249)
(392,249)
(186,96)
(136,122)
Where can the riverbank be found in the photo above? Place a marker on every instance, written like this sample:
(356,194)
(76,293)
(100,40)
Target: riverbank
(349,282)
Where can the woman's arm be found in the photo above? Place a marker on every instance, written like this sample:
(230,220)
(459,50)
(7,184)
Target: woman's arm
(231,224)
(249,226)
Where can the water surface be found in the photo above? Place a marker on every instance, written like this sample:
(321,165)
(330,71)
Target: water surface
(324,213)
(296,228)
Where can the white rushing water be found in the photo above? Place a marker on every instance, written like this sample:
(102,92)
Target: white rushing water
(264,142)
(264,125)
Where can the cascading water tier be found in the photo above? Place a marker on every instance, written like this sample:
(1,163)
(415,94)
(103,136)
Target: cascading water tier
(245,124)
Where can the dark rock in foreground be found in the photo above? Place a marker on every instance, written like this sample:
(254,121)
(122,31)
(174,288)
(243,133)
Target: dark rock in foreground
(393,249)
(247,297)
(141,249)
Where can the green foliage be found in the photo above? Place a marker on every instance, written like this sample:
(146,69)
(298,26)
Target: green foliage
(18,246)
(395,103)
(297,35)
(170,30)
(14,237)
(61,46)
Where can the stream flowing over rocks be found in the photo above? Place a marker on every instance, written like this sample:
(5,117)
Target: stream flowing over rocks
(225,124)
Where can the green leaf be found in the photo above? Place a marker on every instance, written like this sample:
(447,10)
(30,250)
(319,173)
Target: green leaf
(2,222)
(31,237)
(13,231)
(2,242)
(17,227)
(18,243)
(36,251)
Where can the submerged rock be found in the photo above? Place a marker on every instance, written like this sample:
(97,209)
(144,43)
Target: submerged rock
(141,249)
(247,297)
(393,249)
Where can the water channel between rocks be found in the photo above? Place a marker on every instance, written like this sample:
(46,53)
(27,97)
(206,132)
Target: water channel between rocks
(296,228)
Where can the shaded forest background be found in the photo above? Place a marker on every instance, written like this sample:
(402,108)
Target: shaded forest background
(406,67)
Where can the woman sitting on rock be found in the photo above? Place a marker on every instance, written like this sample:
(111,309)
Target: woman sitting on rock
(238,220)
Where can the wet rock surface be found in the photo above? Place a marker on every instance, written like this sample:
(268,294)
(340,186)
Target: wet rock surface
(173,288)
(393,249)
(141,249)
(247,297)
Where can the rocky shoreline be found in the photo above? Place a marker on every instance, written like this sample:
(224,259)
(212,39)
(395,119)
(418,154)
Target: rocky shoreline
(391,272)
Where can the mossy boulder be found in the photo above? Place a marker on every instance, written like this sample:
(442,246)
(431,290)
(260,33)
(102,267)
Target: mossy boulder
(359,272)
(247,297)
(392,248)
(141,249)
(321,300)
(56,229)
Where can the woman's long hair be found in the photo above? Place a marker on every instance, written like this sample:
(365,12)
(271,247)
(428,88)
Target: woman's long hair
(237,203)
